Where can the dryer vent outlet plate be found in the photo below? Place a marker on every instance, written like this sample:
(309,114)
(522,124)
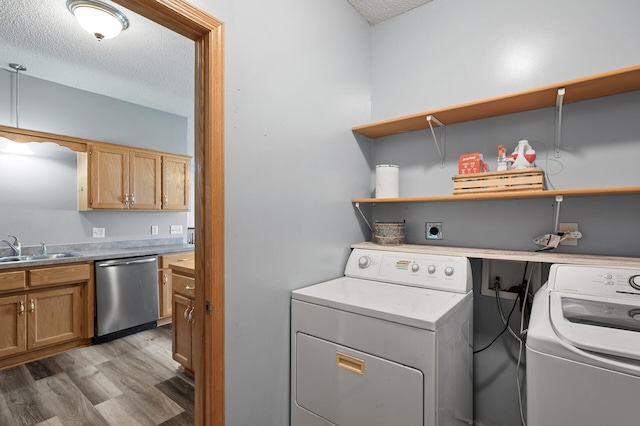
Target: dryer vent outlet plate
(433,230)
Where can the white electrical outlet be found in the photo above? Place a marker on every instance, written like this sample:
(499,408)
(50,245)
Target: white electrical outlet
(176,229)
(154,230)
(568,227)
(98,232)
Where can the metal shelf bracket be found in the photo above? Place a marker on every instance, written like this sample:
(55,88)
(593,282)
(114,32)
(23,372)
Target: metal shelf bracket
(363,216)
(556,220)
(559,101)
(431,118)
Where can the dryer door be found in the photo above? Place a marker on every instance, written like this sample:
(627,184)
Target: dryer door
(352,388)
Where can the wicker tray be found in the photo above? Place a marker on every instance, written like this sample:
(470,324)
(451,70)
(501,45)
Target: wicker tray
(509,180)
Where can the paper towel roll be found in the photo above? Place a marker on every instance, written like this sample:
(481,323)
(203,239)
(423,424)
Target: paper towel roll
(387,185)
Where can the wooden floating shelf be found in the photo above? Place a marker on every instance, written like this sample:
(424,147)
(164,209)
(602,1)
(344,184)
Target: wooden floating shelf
(595,86)
(625,190)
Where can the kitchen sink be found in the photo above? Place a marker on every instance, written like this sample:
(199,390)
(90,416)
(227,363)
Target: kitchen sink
(26,258)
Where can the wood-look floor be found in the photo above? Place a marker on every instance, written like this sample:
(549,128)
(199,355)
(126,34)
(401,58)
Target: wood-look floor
(129,381)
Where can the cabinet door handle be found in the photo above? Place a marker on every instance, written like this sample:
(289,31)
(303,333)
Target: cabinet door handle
(186,313)
(126,199)
(166,199)
(191,314)
(165,279)
(21,308)
(188,287)
(133,199)
(32,305)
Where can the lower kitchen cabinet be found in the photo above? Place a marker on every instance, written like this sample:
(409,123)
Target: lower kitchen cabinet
(183,332)
(13,325)
(51,312)
(165,282)
(54,316)
(183,278)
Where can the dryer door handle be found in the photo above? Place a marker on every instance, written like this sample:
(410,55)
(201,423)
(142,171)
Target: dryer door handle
(350,363)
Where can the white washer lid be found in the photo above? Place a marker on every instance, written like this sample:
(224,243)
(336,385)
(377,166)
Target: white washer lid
(607,325)
(417,307)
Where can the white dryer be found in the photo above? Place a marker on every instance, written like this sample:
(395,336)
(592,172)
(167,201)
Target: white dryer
(390,343)
(583,348)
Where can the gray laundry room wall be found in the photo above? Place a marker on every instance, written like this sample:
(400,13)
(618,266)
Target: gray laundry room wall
(450,52)
(297,78)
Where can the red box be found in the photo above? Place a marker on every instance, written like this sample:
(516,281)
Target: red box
(471,163)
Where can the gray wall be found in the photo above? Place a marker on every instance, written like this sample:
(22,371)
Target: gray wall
(38,194)
(297,78)
(450,52)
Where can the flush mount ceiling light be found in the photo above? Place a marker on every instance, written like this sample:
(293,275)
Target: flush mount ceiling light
(97,18)
(15,147)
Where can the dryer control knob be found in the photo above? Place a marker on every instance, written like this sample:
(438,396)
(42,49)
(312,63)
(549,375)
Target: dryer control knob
(431,269)
(634,281)
(415,267)
(448,271)
(364,262)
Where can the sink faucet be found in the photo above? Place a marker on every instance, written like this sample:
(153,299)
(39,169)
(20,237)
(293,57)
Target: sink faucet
(15,246)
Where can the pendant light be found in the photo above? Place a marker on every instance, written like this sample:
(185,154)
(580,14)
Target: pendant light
(99,19)
(15,147)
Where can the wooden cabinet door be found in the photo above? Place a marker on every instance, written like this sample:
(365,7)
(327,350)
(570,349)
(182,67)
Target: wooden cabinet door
(144,180)
(182,329)
(166,290)
(176,178)
(165,280)
(13,325)
(54,316)
(109,176)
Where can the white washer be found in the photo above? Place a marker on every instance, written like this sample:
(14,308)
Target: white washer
(583,348)
(390,343)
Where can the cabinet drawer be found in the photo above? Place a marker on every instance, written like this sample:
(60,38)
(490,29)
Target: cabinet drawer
(176,258)
(59,275)
(12,280)
(184,286)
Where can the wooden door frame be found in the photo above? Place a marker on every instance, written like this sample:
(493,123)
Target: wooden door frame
(207,33)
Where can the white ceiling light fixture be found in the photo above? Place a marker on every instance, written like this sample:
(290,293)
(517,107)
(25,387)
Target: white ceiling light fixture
(15,147)
(97,18)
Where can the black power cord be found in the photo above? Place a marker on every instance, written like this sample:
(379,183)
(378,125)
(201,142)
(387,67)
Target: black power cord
(506,327)
(524,304)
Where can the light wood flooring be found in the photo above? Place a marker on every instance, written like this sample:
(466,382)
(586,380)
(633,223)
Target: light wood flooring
(129,381)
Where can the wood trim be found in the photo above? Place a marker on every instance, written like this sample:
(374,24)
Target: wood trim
(17,134)
(208,34)
(25,135)
(580,89)
(623,190)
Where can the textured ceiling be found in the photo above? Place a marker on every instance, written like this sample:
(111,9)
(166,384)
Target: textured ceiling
(146,64)
(376,11)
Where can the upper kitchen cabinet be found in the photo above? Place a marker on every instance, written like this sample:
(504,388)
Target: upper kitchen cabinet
(115,177)
(120,177)
(176,178)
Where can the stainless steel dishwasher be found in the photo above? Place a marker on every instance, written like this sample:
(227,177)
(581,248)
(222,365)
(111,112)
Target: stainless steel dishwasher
(126,296)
